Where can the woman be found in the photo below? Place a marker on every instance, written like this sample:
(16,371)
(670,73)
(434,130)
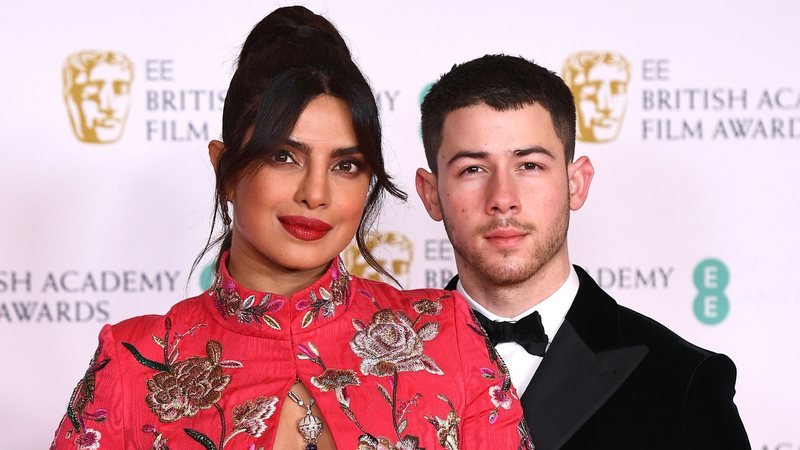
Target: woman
(287,350)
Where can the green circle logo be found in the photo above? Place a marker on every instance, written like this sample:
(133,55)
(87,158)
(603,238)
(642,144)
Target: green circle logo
(711,305)
(424,92)
(207,276)
(422,95)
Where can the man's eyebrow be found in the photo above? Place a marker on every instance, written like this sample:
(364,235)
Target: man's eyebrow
(337,153)
(470,154)
(534,150)
(467,154)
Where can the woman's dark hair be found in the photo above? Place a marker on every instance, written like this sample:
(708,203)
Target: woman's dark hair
(289,58)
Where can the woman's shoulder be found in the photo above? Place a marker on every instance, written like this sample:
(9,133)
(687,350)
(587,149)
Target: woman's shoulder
(189,310)
(388,296)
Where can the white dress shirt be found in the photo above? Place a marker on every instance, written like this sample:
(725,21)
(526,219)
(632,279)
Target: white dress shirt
(521,364)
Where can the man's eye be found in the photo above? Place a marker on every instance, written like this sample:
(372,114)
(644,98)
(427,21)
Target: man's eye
(531,166)
(471,170)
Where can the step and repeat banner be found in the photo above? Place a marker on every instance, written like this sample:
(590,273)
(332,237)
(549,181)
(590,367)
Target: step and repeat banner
(689,110)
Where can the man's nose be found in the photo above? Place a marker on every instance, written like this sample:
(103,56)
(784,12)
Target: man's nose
(502,194)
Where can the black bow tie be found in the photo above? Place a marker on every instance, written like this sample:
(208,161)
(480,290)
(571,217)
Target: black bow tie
(527,332)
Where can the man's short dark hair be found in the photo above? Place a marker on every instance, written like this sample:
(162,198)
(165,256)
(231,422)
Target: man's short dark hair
(502,82)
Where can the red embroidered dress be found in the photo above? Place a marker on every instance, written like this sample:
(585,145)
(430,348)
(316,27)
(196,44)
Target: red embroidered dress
(388,369)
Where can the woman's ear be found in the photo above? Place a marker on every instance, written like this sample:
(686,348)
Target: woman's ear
(215,149)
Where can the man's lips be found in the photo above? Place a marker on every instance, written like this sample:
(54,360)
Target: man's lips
(305,228)
(505,236)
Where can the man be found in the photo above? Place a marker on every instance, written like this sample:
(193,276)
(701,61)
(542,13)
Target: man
(97,94)
(499,135)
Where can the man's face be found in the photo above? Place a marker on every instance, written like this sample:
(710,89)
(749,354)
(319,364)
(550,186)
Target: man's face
(601,97)
(102,95)
(503,190)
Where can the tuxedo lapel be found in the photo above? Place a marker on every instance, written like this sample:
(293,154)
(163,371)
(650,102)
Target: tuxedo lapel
(571,384)
(585,364)
(452,284)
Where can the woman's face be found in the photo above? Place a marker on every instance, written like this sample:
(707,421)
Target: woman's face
(302,208)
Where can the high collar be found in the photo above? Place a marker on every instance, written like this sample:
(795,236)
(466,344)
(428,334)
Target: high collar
(272,315)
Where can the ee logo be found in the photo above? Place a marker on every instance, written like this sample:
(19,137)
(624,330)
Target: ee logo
(711,305)
(207,276)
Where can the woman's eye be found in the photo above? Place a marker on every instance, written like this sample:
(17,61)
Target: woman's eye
(283,157)
(348,167)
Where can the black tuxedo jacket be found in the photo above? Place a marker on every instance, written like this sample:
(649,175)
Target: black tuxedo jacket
(615,379)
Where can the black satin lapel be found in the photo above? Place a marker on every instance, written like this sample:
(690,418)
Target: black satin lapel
(452,284)
(571,384)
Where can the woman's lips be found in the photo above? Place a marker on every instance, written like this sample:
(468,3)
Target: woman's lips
(305,228)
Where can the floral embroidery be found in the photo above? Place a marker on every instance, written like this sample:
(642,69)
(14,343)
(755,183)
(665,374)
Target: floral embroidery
(399,409)
(82,396)
(183,388)
(338,380)
(230,303)
(250,415)
(187,387)
(368,442)
(447,428)
(525,442)
(429,307)
(160,442)
(389,343)
(326,301)
(335,380)
(501,395)
(88,440)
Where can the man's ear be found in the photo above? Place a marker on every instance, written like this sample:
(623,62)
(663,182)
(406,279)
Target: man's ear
(580,175)
(426,188)
(215,149)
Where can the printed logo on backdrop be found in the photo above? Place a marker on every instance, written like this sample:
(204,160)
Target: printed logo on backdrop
(424,93)
(711,305)
(599,83)
(392,250)
(73,296)
(97,91)
(688,112)
(633,277)
(672,112)
(207,276)
(781,446)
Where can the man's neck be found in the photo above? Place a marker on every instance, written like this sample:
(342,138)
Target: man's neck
(511,300)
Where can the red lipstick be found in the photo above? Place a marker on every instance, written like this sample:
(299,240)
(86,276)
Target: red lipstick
(305,228)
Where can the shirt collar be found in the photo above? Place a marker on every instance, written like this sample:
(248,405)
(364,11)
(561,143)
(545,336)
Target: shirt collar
(263,313)
(553,309)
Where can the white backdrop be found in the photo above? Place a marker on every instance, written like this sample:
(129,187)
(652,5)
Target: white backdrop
(95,233)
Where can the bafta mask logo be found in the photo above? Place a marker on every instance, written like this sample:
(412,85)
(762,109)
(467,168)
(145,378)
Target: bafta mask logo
(599,83)
(97,87)
(392,250)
